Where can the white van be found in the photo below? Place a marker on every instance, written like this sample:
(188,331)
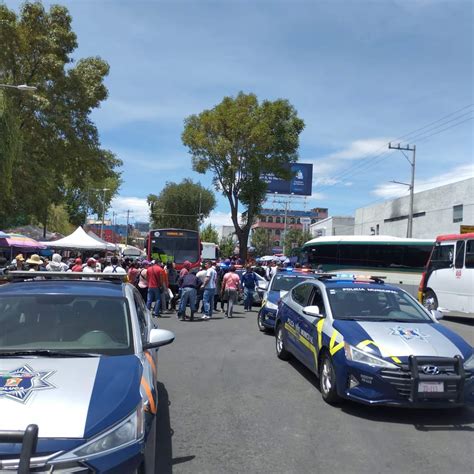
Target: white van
(448,281)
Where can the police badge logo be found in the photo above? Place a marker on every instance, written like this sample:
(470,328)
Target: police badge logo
(408,333)
(20,384)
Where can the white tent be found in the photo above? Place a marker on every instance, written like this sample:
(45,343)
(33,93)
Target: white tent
(80,240)
(110,246)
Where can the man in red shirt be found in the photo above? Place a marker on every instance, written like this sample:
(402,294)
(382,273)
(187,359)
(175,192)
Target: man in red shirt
(155,279)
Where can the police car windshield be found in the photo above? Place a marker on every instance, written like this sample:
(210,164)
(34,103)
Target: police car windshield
(64,323)
(367,303)
(285,283)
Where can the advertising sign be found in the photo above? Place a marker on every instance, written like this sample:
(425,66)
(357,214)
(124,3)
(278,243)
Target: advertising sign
(300,183)
(466,229)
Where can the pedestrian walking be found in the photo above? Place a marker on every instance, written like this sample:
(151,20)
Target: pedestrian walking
(189,284)
(209,290)
(249,283)
(201,275)
(230,288)
(154,276)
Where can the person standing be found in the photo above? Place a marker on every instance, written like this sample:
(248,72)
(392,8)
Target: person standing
(114,267)
(133,272)
(189,284)
(201,275)
(249,282)
(89,268)
(56,264)
(142,280)
(173,284)
(209,290)
(154,275)
(77,267)
(230,287)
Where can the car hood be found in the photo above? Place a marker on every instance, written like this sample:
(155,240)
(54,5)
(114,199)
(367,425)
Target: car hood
(275,296)
(68,397)
(404,339)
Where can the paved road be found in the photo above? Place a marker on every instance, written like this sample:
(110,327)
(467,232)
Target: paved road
(228,405)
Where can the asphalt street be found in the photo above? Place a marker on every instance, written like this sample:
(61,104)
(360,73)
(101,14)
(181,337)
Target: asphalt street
(229,405)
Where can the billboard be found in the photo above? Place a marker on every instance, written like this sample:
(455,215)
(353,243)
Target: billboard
(300,183)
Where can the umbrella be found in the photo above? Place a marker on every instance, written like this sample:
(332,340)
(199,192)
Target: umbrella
(20,241)
(3,235)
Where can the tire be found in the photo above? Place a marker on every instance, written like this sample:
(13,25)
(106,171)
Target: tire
(282,353)
(430,301)
(260,325)
(327,380)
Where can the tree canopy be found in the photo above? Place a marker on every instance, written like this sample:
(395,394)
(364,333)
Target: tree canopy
(181,205)
(261,241)
(296,238)
(209,234)
(50,151)
(238,141)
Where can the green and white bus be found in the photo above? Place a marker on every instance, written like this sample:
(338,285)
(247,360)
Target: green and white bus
(401,260)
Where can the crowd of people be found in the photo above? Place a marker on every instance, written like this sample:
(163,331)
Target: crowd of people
(163,288)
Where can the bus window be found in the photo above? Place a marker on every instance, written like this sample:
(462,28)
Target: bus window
(442,256)
(470,254)
(459,260)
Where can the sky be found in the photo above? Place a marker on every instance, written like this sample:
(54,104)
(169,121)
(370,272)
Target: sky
(360,73)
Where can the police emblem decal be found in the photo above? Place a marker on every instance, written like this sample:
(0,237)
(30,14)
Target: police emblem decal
(20,384)
(408,333)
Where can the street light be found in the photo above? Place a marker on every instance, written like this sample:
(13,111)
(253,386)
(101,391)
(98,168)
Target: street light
(21,87)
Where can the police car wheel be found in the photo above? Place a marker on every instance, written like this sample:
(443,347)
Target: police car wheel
(282,353)
(327,380)
(260,325)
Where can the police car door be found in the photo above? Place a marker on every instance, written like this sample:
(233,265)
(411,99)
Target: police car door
(308,329)
(300,295)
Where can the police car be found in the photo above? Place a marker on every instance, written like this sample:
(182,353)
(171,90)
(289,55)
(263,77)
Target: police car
(373,343)
(282,282)
(78,360)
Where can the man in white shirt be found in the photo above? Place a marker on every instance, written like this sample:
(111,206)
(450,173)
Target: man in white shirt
(114,267)
(209,290)
(201,276)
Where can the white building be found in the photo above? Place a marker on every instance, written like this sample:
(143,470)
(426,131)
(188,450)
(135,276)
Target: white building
(437,211)
(334,225)
(225,231)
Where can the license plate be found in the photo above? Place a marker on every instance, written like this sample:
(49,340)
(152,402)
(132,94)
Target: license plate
(430,387)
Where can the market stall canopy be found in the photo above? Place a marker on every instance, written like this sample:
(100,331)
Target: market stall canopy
(131,251)
(110,246)
(3,235)
(79,240)
(20,242)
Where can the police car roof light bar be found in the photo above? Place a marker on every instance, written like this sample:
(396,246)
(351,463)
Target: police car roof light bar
(17,275)
(350,276)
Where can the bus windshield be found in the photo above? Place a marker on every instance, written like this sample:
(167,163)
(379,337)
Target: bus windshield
(174,245)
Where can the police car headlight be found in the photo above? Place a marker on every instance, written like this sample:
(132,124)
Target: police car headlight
(357,355)
(271,305)
(123,434)
(469,364)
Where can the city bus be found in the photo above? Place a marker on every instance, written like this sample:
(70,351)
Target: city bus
(448,281)
(174,245)
(401,260)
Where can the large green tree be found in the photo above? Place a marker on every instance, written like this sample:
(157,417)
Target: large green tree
(238,141)
(209,234)
(295,238)
(261,241)
(50,148)
(181,205)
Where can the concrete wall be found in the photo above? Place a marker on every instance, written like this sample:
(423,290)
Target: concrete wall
(335,225)
(436,204)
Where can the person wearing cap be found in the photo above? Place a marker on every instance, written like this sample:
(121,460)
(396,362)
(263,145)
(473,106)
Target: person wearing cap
(19,261)
(90,268)
(77,267)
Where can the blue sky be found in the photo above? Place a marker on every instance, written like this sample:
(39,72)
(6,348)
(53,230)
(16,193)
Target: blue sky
(359,73)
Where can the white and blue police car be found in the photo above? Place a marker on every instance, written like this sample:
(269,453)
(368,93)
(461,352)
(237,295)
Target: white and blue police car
(373,343)
(282,282)
(78,360)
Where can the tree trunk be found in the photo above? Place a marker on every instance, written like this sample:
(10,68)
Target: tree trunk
(243,237)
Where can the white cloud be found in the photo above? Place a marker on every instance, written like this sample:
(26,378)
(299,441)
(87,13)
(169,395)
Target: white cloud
(219,218)
(138,208)
(360,148)
(152,161)
(392,190)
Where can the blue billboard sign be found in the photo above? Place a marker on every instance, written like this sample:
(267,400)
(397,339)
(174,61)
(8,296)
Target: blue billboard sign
(300,183)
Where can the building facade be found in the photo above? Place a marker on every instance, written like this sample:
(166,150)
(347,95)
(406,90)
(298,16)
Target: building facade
(441,210)
(273,220)
(334,225)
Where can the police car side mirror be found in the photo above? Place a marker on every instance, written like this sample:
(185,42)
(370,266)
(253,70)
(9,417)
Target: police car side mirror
(312,311)
(158,338)
(437,314)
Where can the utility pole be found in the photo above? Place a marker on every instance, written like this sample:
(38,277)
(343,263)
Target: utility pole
(284,228)
(128,219)
(412,183)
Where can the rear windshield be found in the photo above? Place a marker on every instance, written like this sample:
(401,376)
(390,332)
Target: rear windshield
(60,322)
(375,304)
(285,283)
